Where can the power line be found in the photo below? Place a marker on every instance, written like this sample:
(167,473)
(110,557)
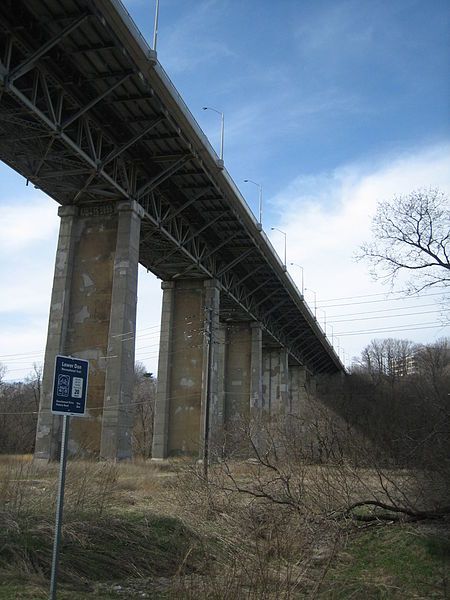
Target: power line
(427,312)
(372,312)
(390,330)
(417,295)
(374,301)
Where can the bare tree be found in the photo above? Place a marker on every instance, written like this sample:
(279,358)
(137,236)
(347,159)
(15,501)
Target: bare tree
(386,358)
(144,408)
(411,233)
(3,370)
(19,404)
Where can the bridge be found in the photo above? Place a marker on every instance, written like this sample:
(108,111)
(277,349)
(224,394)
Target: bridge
(88,115)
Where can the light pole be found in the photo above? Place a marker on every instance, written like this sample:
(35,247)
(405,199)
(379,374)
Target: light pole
(222,126)
(332,335)
(155,28)
(300,267)
(315,300)
(285,236)
(260,195)
(324,320)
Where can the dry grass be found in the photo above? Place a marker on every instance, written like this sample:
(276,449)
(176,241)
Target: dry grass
(160,529)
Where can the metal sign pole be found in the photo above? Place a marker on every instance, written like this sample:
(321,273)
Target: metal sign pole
(59,506)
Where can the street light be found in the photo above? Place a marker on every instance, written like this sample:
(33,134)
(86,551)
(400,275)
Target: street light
(155,28)
(324,320)
(332,335)
(285,236)
(221,128)
(300,267)
(259,186)
(315,300)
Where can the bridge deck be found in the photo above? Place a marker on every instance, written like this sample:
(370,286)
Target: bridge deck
(88,115)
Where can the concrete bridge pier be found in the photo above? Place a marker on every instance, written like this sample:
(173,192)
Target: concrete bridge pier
(242,384)
(187,398)
(298,389)
(275,380)
(93,316)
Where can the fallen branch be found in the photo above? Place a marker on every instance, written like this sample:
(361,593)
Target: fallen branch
(394,513)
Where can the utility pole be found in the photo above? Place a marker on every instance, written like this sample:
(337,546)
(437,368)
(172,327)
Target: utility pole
(209,346)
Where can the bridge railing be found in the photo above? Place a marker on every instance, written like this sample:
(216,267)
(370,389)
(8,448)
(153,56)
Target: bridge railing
(151,55)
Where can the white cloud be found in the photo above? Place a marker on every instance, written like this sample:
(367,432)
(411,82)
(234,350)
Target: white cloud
(24,221)
(184,46)
(327,217)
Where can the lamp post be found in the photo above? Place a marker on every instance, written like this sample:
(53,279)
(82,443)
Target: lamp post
(260,195)
(332,335)
(222,121)
(300,267)
(324,320)
(315,300)
(155,28)
(285,236)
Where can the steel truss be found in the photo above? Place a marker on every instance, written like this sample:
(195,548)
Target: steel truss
(90,131)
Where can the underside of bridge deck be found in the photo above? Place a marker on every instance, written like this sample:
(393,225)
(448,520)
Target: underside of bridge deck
(88,115)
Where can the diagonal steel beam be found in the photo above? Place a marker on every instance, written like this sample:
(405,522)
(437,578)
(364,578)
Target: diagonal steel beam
(115,153)
(67,140)
(234,262)
(161,177)
(272,293)
(251,292)
(275,306)
(190,238)
(29,62)
(184,206)
(93,102)
(166,220)
(253,272)
(222,244)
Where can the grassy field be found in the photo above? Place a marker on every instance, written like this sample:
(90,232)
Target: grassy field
(140,530)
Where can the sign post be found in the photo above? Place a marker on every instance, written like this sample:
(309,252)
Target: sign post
(69,399)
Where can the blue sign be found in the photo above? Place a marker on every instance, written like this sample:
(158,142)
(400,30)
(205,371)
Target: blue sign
(70,386)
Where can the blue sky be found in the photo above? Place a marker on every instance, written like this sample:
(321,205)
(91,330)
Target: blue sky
(330,105)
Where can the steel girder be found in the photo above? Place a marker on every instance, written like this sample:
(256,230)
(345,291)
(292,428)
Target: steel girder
(80,120)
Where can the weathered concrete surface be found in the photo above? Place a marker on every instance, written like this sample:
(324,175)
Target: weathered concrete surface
(189,328)
(275,387)
(256,400)
(86,300)
(48,428)
(238,380)
(298,392)
(117,422)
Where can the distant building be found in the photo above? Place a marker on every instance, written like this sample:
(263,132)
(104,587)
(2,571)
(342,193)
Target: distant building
(406,365)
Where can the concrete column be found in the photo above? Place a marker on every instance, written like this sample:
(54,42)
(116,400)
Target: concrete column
(117,422)
(297,390)
(243,370)
(275,380)
(210,397)
(256,391)
(217,417)
(312,385)
(48,428)
(188,363)
(243,382)
(93,303)
(161,419)
(238,355)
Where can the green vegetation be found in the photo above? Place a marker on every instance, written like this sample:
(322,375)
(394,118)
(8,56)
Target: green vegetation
(392,562)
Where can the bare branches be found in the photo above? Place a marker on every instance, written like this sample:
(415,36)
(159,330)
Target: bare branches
(411,233)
